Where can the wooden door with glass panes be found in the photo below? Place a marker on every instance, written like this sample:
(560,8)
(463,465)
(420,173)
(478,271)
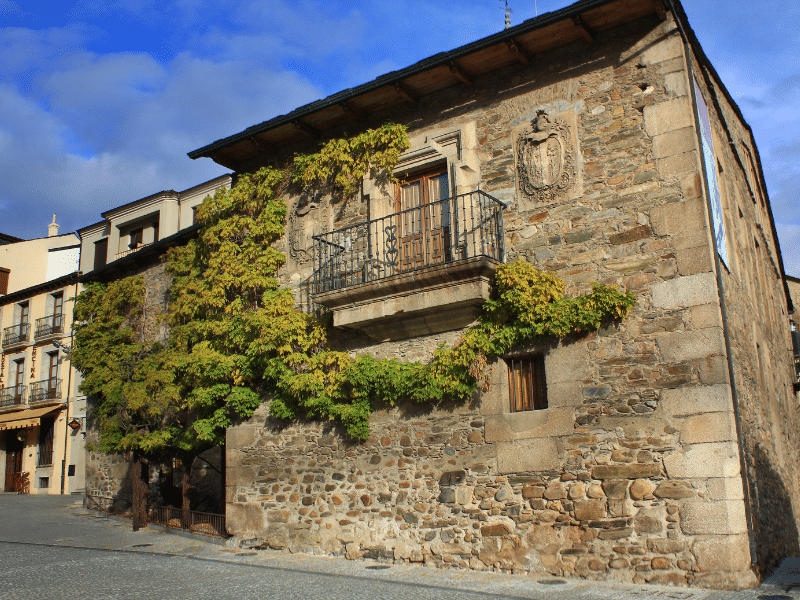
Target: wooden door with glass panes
(423,219)
(14,449)
(52,377)
(19,379)
(24,312)
(58,310)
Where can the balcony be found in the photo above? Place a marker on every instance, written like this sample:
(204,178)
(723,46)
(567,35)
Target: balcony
(12,396)
(429,268)
(45,391)
(131,251)
(47,326)
(15,335)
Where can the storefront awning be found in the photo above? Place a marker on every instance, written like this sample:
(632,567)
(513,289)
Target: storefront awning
(25,418)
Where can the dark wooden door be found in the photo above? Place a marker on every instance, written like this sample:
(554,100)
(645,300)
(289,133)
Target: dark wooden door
(14,450)
(424,220)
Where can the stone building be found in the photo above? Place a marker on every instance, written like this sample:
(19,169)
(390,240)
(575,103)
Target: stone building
(41,411)
(598,143)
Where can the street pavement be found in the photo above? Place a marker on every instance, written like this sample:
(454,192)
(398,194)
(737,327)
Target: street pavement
(52,548)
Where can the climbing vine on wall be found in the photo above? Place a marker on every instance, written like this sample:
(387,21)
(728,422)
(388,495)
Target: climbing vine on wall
(236,336)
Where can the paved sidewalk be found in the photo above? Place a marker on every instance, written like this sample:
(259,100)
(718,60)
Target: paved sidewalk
(40,526)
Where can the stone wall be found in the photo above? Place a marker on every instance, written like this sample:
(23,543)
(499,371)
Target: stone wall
(633,471)
(761,347)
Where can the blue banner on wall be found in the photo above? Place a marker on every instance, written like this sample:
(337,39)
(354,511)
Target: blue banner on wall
(711,175)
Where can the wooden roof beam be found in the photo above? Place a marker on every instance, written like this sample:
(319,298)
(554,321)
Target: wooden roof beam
(307,129)
(405,92)
(261,146)
(658,5)
(518,53)
(459,74)
(354,111)
(224,161)
(586,32)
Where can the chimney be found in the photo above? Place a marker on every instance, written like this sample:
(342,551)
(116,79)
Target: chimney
(52,229)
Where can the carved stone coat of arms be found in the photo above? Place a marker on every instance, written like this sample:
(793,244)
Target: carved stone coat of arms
(545,159)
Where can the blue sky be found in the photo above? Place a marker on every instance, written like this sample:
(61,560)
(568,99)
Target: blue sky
(100,100)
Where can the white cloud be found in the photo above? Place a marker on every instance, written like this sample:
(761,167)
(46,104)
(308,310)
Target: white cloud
(96,131)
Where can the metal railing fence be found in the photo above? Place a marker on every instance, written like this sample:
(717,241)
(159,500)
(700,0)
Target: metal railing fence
(50,325)
(199,522)
(15,334)
(458,228)
(12,396)
(42,391)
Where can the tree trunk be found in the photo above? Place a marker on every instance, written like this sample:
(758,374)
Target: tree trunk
(186,492)
(140,477)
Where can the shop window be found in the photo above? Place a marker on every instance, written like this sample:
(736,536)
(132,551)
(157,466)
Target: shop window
(527,387)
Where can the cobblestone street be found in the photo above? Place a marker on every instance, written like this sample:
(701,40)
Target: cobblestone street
(50,547)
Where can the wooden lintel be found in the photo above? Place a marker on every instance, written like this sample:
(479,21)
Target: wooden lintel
(518,53)
(585,31)
(405,92)
(459,74)
(658,5)
(354,111)
(307,129)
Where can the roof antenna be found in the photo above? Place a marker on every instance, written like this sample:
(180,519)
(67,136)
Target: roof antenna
(508,14)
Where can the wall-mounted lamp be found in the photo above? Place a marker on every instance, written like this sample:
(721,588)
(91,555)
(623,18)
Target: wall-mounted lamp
(21,436)
(63,347)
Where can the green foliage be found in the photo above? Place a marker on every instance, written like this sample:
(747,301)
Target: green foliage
(236,337)
(342,163)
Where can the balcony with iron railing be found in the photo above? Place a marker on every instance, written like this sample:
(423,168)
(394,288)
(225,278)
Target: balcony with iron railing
(124,253)
(434,258)
(47,390)
(47,326)
(12,396)
(15,335)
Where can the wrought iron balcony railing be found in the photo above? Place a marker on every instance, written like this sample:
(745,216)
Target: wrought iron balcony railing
(52,325)
(119,255)
(45,390)
(12,396)
(462,227)
(15,334)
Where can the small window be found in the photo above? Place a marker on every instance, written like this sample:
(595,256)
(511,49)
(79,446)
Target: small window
(71,471)
(155,232)
(527,388)
(44,482)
